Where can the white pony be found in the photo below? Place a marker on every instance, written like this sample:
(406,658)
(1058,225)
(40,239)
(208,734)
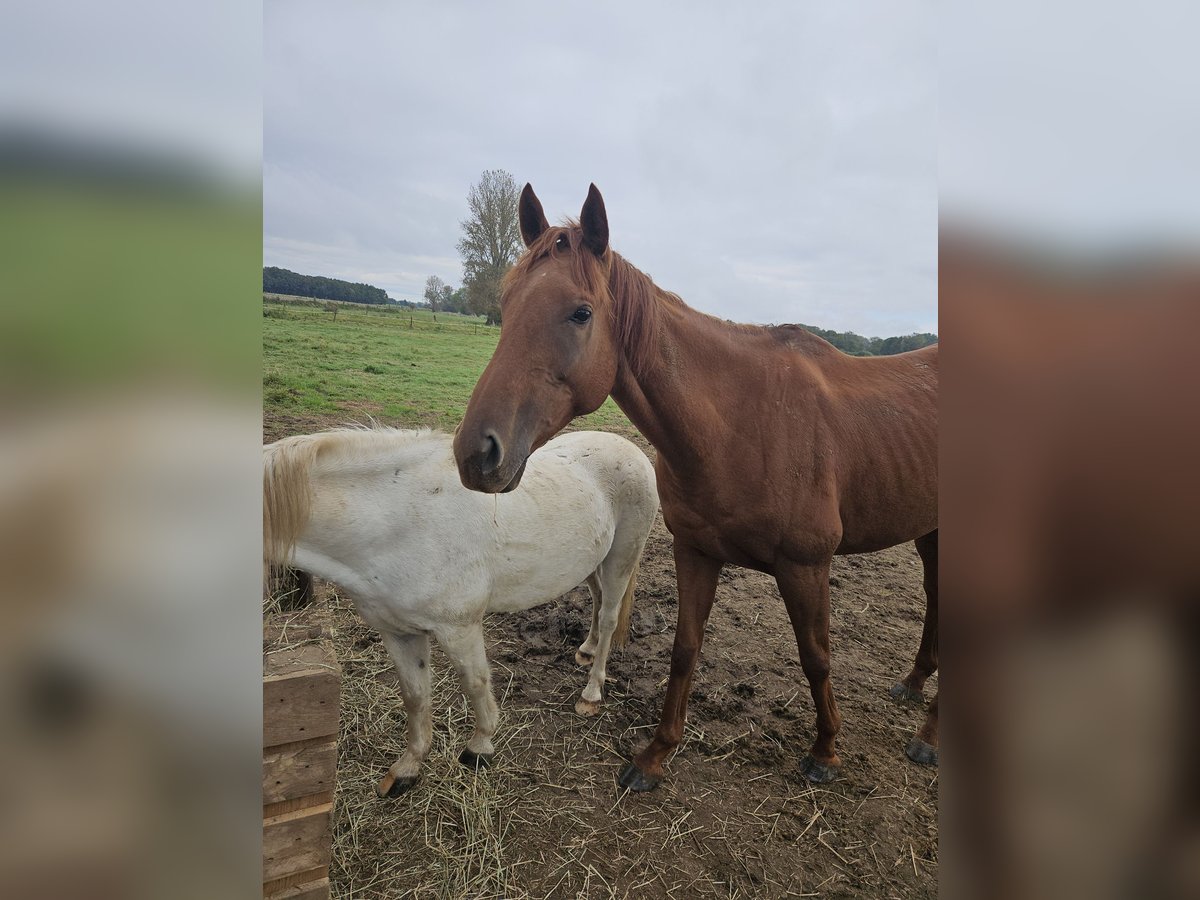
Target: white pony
(381,513)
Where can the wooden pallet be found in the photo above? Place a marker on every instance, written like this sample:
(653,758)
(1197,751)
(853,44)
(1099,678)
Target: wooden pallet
(301,690)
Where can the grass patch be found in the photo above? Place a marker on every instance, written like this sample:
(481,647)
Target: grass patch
(404,367)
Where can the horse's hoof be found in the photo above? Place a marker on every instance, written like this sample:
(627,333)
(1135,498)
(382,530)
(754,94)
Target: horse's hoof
(587,708)
(921,753)
(634,779)
(397,786)
(475,761)
(902,692)
(583,658)
(818,773)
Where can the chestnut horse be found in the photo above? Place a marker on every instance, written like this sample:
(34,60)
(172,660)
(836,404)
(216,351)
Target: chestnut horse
(775,450)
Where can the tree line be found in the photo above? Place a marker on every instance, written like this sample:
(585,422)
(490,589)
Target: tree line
(284,281)
(857,345)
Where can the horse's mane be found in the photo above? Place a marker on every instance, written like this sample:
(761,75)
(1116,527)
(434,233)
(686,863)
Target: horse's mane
(635,298)
(287,464)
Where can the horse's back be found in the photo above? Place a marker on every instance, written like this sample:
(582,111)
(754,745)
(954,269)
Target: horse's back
(578,493)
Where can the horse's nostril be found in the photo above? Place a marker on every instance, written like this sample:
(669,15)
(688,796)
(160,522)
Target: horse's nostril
(492,453)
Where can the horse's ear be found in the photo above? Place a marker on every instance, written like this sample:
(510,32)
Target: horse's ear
(533,220)
(594,220)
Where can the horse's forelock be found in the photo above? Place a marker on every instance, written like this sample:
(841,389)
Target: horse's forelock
(631,296)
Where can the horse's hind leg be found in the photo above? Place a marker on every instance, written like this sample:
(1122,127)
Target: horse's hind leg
(410,653)
(586,654)
(927,655)
(614,580)
(464,647)
(923,748)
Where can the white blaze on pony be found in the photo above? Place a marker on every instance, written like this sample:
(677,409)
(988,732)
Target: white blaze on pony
(382,513)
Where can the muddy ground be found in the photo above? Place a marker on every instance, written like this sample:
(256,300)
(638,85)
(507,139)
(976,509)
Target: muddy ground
(734,818)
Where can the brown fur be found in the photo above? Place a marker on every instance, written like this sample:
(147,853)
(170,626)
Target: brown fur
(775,450)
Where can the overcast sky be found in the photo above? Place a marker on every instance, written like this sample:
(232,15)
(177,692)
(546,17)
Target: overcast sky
(767,165)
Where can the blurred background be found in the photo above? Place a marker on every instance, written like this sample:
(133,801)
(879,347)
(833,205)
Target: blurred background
(130,228)
(1068,295)
(130,252)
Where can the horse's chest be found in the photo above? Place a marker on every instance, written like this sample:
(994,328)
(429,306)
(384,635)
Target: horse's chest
(748,527)
(721,530)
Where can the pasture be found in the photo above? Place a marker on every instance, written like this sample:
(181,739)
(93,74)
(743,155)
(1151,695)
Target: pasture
(735,818)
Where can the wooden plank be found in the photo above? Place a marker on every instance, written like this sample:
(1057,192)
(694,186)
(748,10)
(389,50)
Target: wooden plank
(270,810)
(297,841)
(294,886)
(290,635)
(300,695)
(313,890)
(298,771)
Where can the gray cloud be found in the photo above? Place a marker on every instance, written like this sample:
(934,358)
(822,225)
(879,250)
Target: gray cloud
(771,165)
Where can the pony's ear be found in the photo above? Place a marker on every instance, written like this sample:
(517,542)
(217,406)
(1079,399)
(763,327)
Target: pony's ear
(594,220)
(533,220)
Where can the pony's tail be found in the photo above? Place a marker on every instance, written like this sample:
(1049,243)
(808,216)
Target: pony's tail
(621,632)
(287,495)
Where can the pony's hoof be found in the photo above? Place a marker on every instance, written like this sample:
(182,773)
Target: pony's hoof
(584,658)
(921,753)
(634,779)
(818,773)
(587,708)
(902,692)
(475,761)
(394,787)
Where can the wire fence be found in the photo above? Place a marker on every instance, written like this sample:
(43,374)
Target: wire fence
(281,306)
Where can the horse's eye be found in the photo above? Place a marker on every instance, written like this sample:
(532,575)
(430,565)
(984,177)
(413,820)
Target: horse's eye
(581,315)
(561,242)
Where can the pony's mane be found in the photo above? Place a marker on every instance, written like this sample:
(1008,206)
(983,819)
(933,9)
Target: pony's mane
(634,298)
(287,464)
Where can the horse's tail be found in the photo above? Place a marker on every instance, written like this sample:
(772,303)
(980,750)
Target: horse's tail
(621,633)
(287,495)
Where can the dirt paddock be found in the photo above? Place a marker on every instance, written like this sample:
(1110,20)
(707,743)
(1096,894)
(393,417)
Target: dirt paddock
(734,818)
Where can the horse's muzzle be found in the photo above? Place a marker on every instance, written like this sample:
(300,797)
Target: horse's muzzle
(483,464)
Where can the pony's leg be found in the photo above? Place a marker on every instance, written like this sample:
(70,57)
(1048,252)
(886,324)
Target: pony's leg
(613,580)
(805,590)
(696,575)
(410,653)
(464,647)
(586,654)
(927,654)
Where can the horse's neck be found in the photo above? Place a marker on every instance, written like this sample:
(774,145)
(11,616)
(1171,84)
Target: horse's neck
(666,399)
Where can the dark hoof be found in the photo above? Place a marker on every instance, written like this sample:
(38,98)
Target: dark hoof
(634,779)
(921,753)
(400,786)
(817,773)
(475,761)
(902,692)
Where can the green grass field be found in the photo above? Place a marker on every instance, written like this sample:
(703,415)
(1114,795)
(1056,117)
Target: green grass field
(399,366)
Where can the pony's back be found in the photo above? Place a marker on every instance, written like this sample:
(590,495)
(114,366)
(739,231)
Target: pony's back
(290,465)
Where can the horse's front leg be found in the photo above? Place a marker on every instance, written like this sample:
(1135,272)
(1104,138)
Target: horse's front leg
(805,590)
(696,575)
(410,653)
(464,647)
